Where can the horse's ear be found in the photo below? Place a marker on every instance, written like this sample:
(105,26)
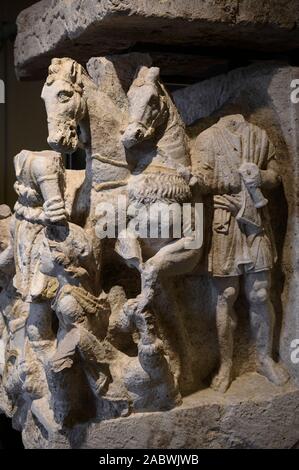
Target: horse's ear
(75,72)
(145,74)
(153,74)
(53,69)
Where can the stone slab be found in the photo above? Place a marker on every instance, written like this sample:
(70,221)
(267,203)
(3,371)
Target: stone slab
(84,28)
(252,414)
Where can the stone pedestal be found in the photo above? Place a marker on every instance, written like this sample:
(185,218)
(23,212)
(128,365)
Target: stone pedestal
(252,415)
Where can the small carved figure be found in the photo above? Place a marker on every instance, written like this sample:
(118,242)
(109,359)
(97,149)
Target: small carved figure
(83,318)
(40,188)
(149,379)
(235,161)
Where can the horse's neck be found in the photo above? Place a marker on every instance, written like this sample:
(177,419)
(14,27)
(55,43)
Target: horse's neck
(105,123)
(173,143)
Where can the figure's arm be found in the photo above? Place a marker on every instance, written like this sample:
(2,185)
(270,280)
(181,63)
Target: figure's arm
(270,178)
(49,178)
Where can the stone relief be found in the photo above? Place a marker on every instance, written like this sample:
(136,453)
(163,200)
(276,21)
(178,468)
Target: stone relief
(235,162)
(93,328)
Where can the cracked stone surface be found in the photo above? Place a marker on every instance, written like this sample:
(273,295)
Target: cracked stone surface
(83,28)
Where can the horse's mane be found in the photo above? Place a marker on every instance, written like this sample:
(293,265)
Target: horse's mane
(68,70)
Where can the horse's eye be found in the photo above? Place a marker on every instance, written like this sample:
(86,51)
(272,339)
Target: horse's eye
(64,96)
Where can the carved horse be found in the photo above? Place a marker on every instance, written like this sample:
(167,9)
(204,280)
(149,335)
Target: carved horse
(157,135)
(161,172)
(154,142)
(79,115)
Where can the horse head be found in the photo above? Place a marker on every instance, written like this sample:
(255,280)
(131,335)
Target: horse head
(65,104)
(148,107)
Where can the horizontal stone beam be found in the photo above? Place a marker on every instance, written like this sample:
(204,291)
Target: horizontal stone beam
(85,28)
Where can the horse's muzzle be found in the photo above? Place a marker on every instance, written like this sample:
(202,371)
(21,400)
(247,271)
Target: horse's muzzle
(63,142)
(132,135)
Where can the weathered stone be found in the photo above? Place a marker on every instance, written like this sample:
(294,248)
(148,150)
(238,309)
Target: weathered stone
(162,335)
(113,74)
(82,29)
(253,414)
(262,93)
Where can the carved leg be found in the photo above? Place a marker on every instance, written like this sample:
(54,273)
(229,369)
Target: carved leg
(153,372)
(170,261)
(174,259)
(257,287)
(227,293)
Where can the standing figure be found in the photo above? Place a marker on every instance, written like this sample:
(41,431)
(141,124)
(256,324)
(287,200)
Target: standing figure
(235,161)
(40,187)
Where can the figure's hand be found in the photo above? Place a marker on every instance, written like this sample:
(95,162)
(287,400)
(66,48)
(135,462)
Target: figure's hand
(229,202)
(54,209)
(197,180)
(250,174)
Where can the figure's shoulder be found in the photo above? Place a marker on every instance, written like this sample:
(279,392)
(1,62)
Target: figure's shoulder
(45,163)
(207,136)
(38,163)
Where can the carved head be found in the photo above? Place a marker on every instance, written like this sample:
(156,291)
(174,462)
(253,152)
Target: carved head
(65,104)
(66,250)
(147,106)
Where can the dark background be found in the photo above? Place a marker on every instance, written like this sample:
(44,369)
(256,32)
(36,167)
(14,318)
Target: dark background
(22,117)
(22,125)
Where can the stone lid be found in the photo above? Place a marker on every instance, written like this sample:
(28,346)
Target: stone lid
(82,29)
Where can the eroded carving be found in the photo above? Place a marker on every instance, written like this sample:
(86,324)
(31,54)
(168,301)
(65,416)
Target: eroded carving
(93,328)
(235,161)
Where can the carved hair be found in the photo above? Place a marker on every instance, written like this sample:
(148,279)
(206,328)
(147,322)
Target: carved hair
(73,252)
(68,70)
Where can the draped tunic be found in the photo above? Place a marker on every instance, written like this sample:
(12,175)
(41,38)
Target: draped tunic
(32,170)
(242,240)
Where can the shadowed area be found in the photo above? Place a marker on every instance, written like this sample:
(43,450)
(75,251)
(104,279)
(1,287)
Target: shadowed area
(9,438)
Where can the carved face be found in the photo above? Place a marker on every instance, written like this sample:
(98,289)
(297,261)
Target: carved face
(147,108)
(65,105)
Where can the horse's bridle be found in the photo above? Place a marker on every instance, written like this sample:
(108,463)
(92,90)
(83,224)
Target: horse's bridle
(149,130)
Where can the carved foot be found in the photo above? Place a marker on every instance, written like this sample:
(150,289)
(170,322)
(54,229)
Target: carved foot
(222,379)
(273,371)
